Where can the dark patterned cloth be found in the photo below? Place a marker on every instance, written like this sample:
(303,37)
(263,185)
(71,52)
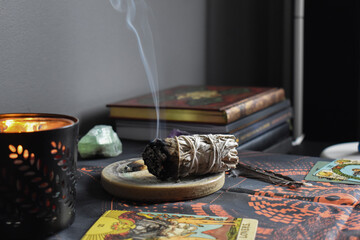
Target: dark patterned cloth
(321,211)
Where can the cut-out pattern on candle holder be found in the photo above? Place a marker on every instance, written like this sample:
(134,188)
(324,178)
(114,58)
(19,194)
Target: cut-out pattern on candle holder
(37,181)
(42,185)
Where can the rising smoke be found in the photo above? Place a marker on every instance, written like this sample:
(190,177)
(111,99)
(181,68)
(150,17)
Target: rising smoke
(137,20)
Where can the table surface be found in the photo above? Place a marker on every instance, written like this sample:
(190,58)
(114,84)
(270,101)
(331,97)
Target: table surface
(321,211)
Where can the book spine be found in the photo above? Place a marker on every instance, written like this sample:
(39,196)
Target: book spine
(256,117)
(283,146)
(267,139)
(141,128)
(254,104)
(262,126)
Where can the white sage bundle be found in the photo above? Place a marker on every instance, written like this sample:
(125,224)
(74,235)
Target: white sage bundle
(190,155)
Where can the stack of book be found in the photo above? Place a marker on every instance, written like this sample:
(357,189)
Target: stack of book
(259,117)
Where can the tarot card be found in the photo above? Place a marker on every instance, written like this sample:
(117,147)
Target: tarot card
(117,224)
(341,170)
(318,165)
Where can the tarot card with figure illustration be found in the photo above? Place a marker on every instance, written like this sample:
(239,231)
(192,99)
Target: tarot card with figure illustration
(318,165)
(117,224)
(341,170)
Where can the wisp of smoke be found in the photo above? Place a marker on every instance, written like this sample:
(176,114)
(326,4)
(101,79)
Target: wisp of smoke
(137,21)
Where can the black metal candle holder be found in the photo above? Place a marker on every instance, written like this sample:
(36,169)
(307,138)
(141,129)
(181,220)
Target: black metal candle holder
(38,177)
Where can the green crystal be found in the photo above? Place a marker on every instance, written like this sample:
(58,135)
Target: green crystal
(101,140)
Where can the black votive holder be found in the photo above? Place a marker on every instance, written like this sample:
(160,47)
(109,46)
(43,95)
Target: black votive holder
(38,178)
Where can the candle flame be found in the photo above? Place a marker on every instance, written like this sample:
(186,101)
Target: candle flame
(20,125)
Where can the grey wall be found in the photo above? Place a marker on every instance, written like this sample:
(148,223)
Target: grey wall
(74,57)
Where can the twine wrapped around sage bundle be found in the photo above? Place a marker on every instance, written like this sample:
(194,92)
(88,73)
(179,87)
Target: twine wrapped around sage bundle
(190,155)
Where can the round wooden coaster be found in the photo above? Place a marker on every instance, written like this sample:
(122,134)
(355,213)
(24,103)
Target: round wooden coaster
(130,180)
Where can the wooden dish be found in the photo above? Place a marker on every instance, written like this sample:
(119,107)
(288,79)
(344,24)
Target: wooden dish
(130,180)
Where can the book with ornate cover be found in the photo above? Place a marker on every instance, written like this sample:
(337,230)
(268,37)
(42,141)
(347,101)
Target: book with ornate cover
(146,130)
(204,104)
(118,224)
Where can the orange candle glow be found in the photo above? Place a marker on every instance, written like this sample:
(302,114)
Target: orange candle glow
(38,153)
(32,124)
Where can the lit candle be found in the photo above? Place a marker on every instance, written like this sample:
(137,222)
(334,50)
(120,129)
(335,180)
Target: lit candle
(38,153)
(20,124)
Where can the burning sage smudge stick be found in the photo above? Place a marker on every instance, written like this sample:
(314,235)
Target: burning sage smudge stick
(193,155)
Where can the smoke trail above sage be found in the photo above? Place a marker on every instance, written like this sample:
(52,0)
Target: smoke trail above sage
(137,21)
